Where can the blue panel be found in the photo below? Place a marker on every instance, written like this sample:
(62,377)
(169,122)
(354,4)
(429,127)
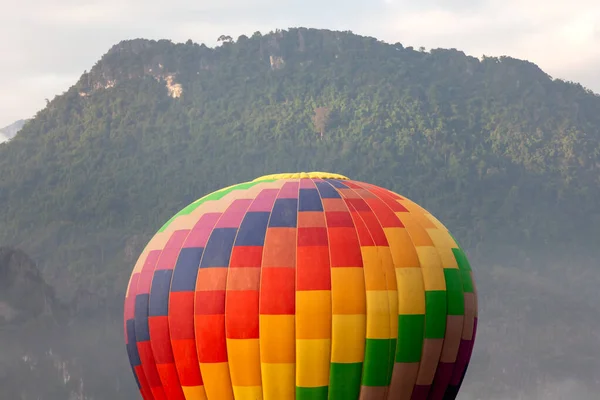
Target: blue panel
(310,200)
(159,293)
(253,229)
(218,249)
(142,331)
(186,269)
(284,214)
(132,350)
(336,183)
(327,191)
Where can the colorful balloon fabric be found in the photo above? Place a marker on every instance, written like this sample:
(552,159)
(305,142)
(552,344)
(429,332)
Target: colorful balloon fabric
(301,286)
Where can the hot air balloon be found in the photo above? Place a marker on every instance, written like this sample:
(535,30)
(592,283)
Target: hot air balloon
(301,286)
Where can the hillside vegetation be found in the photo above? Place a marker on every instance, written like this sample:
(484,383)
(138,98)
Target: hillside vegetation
(506,156)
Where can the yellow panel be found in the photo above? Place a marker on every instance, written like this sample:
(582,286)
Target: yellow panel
(217,382)
(387,266)
(378,314)
(429,257)
(244,361)
(411,291)
(418,235)
(248,392)
(437,223)
(279,381)
(402,248)
(374,276)
(443,243)
(300,175)
(277,338)
(431,268)
(194,393)
(348,338)
(422,219)
(312,365)
(313,314)
(434,278)
(348,291)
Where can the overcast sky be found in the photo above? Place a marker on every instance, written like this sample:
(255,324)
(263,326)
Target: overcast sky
(45,45)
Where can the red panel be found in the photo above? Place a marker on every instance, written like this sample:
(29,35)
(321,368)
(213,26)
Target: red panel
(313,270)
(147,357)
(145,387)
(339,219)
(357,204)
(388,198)
(385,215)
(246,256)
(160,339)
(170,380)
(241,314)
(210,338)
(277,291)
(209,302)
(312,237)
(375,230)
(364,236)
(344,248)
(158,393)
(181,315)
(351,184)
(186,359)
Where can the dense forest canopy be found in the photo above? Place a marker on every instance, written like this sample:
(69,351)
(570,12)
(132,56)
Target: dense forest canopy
(506,156)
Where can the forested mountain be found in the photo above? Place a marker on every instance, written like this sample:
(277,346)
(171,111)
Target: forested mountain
(506,156)
(8,132)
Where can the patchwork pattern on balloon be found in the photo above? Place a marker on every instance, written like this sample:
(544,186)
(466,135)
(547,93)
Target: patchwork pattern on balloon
(301,286)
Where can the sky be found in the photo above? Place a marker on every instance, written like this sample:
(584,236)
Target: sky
(46,45)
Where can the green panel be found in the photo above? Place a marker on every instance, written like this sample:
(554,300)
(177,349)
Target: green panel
(312,393)
(219,194)
(411,331)
(379,361)
(435,314)
(454,292)
(461,259)
(467,281)
(344,381)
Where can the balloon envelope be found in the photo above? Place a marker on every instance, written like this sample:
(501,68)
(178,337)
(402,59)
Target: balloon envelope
(301,286)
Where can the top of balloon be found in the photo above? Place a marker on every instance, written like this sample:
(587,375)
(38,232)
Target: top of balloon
(301,175)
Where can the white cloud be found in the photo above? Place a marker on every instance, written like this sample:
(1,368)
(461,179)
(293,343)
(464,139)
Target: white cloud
(561,37)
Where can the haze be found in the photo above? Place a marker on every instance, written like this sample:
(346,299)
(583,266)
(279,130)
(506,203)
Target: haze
(47,45)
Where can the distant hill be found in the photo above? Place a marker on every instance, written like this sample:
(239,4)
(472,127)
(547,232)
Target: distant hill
(506,156)
(8,132)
